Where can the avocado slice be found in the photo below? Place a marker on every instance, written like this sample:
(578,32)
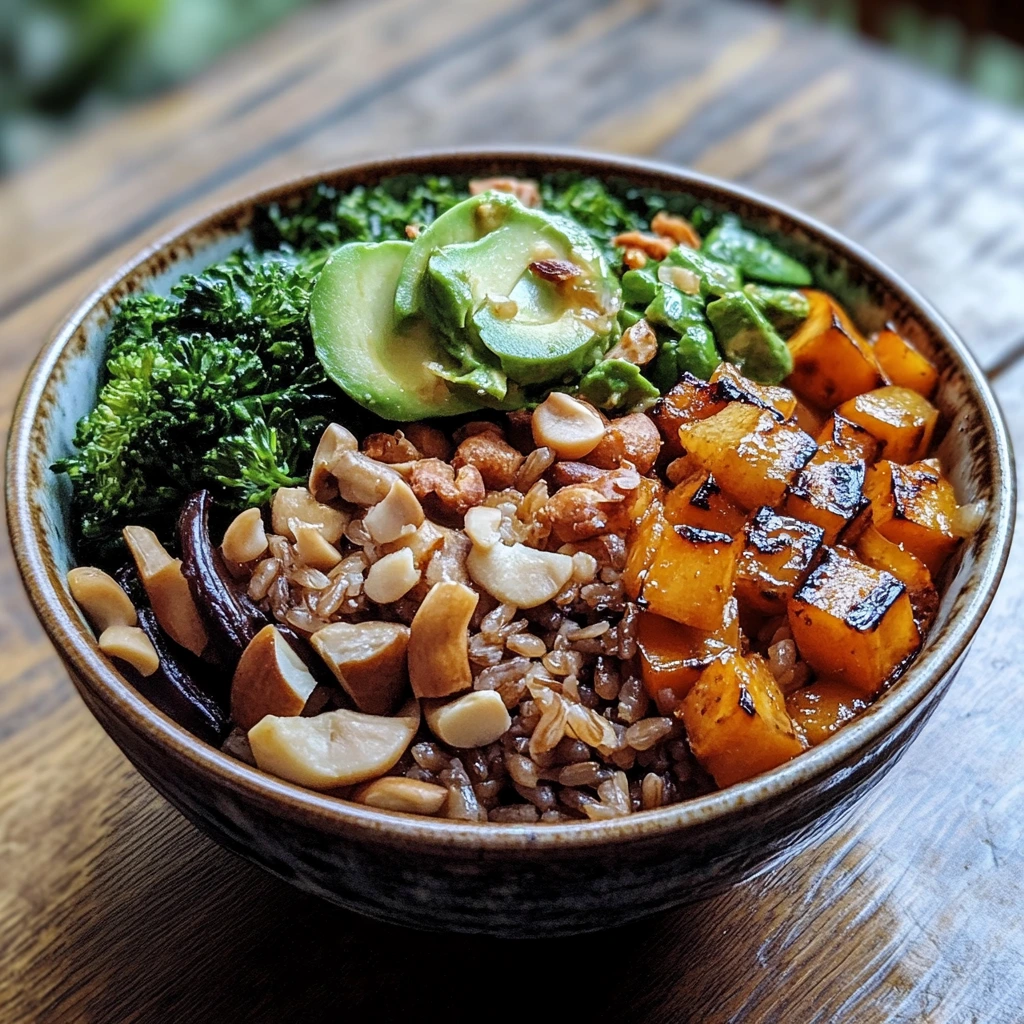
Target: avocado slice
(786,308)
(749,340)
(639,287)
(690,347)
(382,366)
(716,278)
(754,256)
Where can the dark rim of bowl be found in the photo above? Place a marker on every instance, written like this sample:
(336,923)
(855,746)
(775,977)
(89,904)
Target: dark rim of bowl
(77,644)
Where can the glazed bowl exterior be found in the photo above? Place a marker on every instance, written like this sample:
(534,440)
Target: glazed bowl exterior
(510,879)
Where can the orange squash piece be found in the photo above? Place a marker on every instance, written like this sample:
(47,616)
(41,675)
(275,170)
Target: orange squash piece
(732,386)
(823,707)
(690,577)
(832,361)
(829,492)
(853,623)
(903,364)
(699,501)
(641,545)
(672,656)
(778,553)
(880,553)
(901,419)
(914,507)
(851,438)
(736,720)
(691,399)
(751,455)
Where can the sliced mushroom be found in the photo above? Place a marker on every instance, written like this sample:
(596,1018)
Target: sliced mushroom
(439,641)
(312,548)
(391,577)
(102,601)
(245,538)
(363,480)
(368,659)
(518,575)
(336,748)
(270,680)
(399,513)
(130,644)
(472,720)
(567,426)
(297,503)
(334,441)
(396,793)
(167,589)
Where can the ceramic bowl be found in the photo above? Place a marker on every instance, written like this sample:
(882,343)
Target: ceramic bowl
(511,879)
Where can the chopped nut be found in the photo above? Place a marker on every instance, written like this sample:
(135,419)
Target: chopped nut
(270,679)
(363,480)
(392,577)
(638,344)
(652,245)
(422,542)
(680,277)
(390,448)
(396,793)
(503,307)
(245,538)
(104,603)
(497,461)
(336,748)
(525,190)
(368,659)
(483,526)
(518,575)
(429,441)
(556,270)
(398,514)
(677,228)
(472,720)
(634,258)
(456,492)
(312,548)
(334,440)
(567,426)
(439,641)
(412,231)
(587,510)
(448,564)
(297,504)
(633,439)
(130,644)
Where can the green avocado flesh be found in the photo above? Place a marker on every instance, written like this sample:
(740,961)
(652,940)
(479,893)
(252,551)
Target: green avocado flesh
(749,340)
(381,365)
(755,257)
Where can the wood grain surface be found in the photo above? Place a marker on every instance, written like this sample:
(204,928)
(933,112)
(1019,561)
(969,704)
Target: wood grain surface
(113,909)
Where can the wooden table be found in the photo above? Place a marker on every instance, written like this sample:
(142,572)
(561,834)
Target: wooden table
(113,909)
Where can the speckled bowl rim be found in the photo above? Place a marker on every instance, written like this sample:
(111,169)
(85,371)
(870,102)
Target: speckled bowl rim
(78,646)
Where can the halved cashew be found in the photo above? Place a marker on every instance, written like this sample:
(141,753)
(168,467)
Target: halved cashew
(368,659)
(472,720)
(570,428)
(130,644)
(312,548)
(362,480)
(167,589)
(336,748)
(422,542)
(297,503)
(245,538)
(399,513)
(483,525)
(518,575)
(334,440)
(270,679)
(638,344)
(396,793)
(391,577)
(439,641)
(102,601)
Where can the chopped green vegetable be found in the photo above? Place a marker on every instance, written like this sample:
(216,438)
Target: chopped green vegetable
(754,256)
(598,211)
(786,308)
(716,279)
(616,384)
(749,340)
(640,286)
(694,348)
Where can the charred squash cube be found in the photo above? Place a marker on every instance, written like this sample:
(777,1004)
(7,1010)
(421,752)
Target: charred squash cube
(903,364)
(851,438)
(690,578)
(751,455)
(691,399)
(672,656)
(778,553)
(853,623)
(736,720)
(823,707)
(832,361)
(731,386)
(901,419)
(829,492)
(915,507)
(641,545)
(880,553)
(699,501)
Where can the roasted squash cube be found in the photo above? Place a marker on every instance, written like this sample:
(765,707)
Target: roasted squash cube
(851,438)
(690,578)
(732,386)
(831,359)
(853,623)
(829,492)
(901,419)
(903,364)
(915,507)
(699,501)
(672,656)
(751,455)
(691,399)
(880,553)
(823,707)
(736,720)
(641,546)
(778,553)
